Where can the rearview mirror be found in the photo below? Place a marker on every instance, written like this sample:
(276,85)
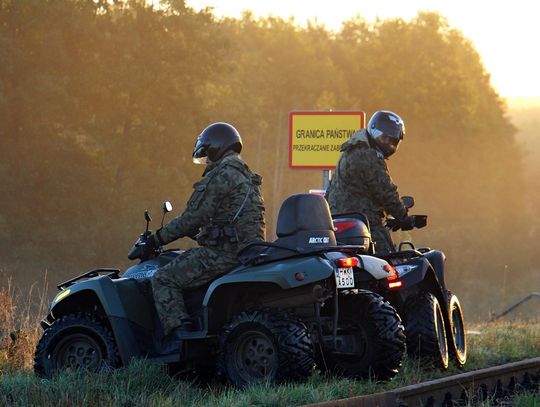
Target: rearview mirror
(167,206)
(147,216)
(408,201)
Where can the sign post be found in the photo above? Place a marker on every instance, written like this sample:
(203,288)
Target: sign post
(326,177)
(315,138)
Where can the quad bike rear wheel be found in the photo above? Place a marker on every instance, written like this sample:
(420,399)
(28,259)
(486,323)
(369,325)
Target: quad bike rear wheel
(265,345)
(374,339)
(425,329)
(455,333)
(73,342)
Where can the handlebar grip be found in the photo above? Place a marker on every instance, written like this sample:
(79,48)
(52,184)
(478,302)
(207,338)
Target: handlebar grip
(420,221)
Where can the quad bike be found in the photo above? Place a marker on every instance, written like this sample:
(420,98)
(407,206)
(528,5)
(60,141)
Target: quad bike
(432,315)
(290,304)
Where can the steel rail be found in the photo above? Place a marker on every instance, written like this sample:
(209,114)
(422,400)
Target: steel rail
(470,387)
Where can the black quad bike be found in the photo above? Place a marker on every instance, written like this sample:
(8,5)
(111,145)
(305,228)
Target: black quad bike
(432,314)
(290,304)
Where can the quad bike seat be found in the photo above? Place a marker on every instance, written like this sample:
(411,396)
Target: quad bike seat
(304,226)
(304,222)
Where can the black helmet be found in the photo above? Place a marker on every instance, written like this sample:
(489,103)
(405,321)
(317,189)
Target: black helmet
(386,130)
(215,141)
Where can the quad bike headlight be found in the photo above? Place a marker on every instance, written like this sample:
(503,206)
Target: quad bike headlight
(62,294)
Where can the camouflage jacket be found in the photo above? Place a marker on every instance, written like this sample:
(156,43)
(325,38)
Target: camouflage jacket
(225,210)
(361,183)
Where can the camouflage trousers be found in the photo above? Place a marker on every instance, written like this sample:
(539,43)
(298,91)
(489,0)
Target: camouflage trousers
(381,238)
(191,269)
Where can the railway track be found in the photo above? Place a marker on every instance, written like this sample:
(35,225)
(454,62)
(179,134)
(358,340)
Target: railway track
(497,382)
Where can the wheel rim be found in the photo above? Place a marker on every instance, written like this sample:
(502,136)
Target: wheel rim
(358,330)
(457,330)
(78,351)
(353,329)
(441,337)
(255,356)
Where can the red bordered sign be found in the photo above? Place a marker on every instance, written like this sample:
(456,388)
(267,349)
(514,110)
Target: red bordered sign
(315,137)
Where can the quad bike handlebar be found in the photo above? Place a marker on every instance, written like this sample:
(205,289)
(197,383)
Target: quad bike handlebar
(140,249)
(410,222)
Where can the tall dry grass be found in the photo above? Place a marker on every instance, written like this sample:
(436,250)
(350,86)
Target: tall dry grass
(20,313)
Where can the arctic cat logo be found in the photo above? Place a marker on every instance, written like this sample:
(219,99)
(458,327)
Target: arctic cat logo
(315,240)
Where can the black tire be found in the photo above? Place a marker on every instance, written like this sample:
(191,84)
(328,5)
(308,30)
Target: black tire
(75,341)
(455,332)
(425,329)
(265,345)
(379,334)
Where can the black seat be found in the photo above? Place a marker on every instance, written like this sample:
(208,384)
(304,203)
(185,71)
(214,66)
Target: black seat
(304,222)
(304,225)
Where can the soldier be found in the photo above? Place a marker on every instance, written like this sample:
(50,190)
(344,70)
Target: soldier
(224,213)
(361,182)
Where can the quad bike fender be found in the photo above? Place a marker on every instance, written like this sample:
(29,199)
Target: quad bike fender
(374,266)
(85,296)
(437,259)
(428,269)
(426,274)
(106,298)
(414,272)
(284,274)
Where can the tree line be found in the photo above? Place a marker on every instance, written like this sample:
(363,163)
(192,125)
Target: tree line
(101,103)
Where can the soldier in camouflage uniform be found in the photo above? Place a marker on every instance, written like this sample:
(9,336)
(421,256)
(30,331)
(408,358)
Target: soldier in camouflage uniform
(224,213)
(361,182)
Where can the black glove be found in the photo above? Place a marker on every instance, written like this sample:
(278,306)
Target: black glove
(151,243)
(407,223)
(393,224)
(154,239)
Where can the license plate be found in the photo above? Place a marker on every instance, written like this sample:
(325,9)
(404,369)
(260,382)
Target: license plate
(345,277)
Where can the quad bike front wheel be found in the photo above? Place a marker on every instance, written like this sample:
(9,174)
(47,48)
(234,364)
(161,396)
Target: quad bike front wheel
(371,339)
(73,342)
(455,333)
(425,329)
(265,345)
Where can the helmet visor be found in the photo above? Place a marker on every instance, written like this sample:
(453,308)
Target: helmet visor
(200,160)
(386,143)
(199,152)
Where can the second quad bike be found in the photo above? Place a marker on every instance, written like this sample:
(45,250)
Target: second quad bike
(432,314)
(289,305)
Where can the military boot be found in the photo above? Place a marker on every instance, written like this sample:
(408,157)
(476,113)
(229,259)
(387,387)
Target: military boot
(170,344)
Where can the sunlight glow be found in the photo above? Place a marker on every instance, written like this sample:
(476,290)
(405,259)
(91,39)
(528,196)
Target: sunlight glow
(505,34)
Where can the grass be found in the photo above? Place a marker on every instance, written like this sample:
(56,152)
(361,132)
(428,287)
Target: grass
(19,326)
(144,384)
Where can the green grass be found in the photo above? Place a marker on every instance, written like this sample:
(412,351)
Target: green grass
(149,385)
(143,384)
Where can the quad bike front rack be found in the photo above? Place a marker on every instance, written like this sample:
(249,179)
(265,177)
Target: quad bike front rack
(112,273)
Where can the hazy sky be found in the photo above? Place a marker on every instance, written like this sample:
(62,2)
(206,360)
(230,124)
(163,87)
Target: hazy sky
(505,33)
